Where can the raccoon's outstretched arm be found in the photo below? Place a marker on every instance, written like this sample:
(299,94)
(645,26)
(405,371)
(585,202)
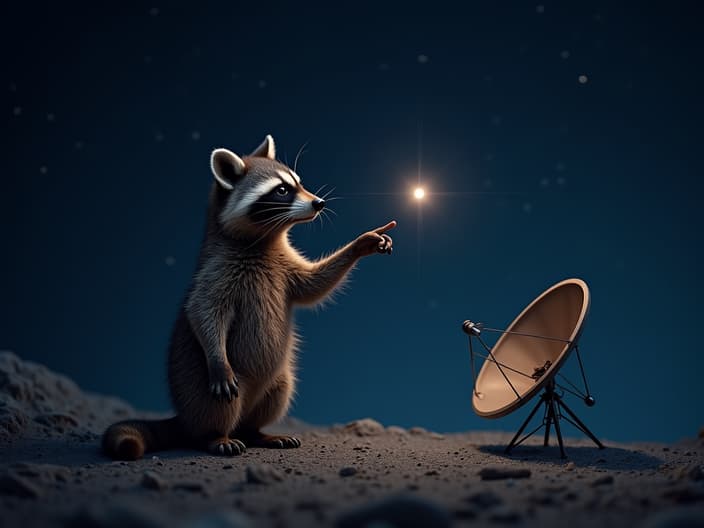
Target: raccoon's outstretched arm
(210,320)
(313,281)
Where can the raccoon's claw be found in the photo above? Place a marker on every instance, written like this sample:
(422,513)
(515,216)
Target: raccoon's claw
(227,447)
(385,245)
(225,389)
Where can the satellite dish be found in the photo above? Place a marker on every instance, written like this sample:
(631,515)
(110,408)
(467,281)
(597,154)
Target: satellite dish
(527,358)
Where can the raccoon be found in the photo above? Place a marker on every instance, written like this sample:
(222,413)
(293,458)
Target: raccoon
(232,352)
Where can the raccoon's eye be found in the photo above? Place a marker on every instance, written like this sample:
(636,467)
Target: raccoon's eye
(282,190)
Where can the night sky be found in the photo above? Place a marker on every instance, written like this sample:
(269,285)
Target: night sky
(555,140)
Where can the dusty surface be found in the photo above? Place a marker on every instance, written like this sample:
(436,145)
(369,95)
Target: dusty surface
(52,474)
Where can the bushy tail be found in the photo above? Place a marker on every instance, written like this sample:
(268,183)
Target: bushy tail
(130,439)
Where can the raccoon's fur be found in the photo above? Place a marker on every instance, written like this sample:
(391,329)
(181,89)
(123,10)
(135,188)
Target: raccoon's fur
(232,357)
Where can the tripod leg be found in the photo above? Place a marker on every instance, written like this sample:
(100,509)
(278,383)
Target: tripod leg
(548,418)
(558,433)
(512,444)
(581,425)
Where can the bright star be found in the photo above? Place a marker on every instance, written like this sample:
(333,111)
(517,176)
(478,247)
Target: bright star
(419,193)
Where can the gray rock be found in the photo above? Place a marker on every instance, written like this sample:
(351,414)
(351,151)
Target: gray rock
(395,429)
(398,511)
(38,402)
(497,473)
(364,427)
(418,430)
(263,474)
(348,471)
(152,480)
(17,486)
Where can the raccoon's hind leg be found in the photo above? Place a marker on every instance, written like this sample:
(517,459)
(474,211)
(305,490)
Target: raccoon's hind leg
(272,405)
(210,422)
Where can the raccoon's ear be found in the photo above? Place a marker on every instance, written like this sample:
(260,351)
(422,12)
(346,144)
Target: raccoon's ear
(266,150)
(227,167)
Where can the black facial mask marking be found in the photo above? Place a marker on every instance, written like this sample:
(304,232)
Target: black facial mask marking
(275,202)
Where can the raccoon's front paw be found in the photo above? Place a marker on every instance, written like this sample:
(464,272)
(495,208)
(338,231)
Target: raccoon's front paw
(376,241)
(223,383)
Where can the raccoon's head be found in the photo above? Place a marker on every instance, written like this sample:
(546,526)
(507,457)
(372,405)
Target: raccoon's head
(257,195)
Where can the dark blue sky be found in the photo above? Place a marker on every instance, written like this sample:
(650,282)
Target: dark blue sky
(534,176)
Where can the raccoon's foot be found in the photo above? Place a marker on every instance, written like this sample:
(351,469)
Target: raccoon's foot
(226,447)
(223,383)
(259,439)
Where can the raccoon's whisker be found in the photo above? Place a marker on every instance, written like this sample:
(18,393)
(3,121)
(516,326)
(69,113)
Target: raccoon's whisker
(334,198)
(328,193)
(298,155)
(274,218)
(265,221)
(320,189)
(330,210)
(272,203)
(327,217)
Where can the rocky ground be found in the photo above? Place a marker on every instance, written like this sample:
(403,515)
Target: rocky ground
(360,474)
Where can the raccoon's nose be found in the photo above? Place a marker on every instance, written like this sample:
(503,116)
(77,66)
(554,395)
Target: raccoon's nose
(318,204)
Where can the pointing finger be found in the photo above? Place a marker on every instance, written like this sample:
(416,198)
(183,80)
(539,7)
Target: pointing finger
(387,227)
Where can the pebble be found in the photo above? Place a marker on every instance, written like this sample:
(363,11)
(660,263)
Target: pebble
(570,466)
(364,427)
(348,471)
(152,480)
(406,511)
(263,474)
(503,473)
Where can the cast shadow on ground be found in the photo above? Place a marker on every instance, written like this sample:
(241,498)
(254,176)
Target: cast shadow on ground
(59,451)
(616,458)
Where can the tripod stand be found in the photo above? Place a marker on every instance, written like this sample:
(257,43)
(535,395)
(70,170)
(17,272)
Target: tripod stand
(553,414)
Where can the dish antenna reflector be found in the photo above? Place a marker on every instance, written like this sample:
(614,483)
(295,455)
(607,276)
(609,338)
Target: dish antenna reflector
(527,358)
